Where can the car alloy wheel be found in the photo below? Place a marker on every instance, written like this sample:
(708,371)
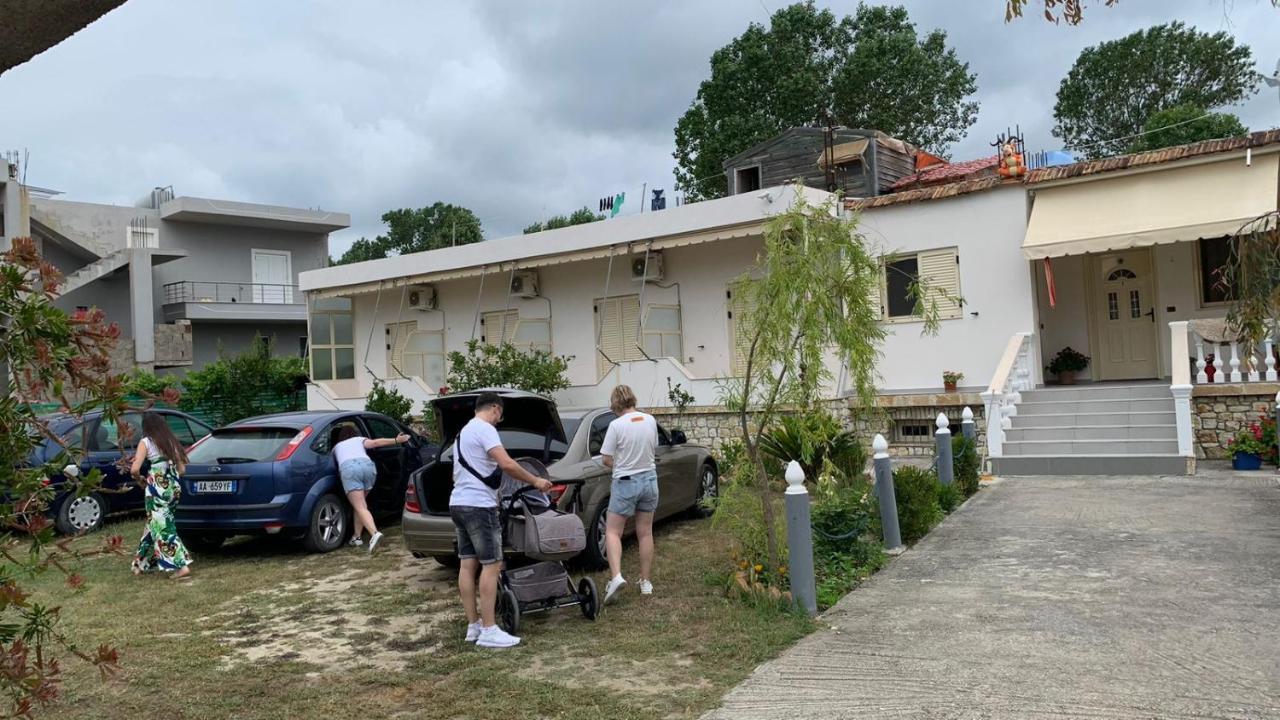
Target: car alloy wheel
(602,526)
(710,485)
(332,522)
(84,513)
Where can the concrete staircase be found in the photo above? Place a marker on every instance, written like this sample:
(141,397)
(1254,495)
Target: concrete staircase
(95,270)
(1102,429)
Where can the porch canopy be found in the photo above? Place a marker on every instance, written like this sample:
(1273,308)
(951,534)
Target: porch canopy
(1166,204)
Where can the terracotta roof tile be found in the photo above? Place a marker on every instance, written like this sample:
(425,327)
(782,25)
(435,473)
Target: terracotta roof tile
(933,192)
(1155,157)
(948,172)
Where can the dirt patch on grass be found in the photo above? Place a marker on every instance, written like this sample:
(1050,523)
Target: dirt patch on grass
(352,618)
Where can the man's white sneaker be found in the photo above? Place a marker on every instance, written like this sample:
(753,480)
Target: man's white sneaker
(496,637)
(646,587)
(373,541)
(473,631)
(613,587)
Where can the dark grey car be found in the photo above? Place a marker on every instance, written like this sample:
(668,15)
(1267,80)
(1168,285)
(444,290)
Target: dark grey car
(569,446)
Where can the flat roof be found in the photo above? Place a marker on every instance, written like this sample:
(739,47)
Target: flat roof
(242,214)
(725,217)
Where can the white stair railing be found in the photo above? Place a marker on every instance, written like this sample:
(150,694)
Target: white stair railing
(1234,369)
(1013,375)
(1181,383)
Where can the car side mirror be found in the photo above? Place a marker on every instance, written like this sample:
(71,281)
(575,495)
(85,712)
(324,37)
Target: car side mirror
(678,437)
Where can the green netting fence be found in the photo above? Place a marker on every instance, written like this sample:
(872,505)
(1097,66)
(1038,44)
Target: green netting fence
(217,412)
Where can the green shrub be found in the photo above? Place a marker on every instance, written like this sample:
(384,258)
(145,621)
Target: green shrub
(964,454)
(739,514)
(508,366)
(949,497)
(251,383)
(388,401)
(149,384)
(838,574)
(841,513)
(813,439)
(916,492)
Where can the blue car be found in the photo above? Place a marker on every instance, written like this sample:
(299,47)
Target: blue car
(276,474)
(100,445)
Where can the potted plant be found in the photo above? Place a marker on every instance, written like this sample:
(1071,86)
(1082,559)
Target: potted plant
(950,378)
(1248,448)
(1066,364)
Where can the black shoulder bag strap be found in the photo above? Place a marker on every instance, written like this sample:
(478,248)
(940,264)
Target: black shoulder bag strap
(493,480)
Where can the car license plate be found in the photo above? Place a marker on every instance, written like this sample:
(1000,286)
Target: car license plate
(215,486)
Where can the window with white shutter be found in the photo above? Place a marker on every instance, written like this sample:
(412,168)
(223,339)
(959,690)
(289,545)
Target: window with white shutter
(939,272)
(739,311)
(617,325)
(499,327)
(416,353)
(662,332)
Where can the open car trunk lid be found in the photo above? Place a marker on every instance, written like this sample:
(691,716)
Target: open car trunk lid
(524,411)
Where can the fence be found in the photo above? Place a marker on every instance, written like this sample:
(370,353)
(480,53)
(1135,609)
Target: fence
(214,413)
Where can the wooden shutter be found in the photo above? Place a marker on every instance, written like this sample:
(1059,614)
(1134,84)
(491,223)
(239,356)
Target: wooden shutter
(877,291)
(499,327)
(397,336)
(617,320)
(941,269)
(739,311)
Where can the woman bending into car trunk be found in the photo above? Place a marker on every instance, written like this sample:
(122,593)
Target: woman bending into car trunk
(160,548)
(358,475)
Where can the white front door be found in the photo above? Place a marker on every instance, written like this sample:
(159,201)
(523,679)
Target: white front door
(272,279)
(1124,314)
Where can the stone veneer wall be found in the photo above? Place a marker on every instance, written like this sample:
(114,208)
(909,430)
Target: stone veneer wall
(714,426)
(1218,412)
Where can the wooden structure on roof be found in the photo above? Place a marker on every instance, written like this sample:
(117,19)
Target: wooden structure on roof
(860,163)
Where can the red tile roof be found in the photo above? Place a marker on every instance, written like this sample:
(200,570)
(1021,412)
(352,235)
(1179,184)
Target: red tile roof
(949,172)
(931,192)
(1155,157)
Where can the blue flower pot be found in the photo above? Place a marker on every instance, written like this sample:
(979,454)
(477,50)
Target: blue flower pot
(1246,461)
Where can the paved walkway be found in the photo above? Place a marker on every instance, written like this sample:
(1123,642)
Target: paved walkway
(1072,598)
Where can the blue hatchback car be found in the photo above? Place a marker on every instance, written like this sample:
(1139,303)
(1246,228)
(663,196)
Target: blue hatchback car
(276,474)
(100,444)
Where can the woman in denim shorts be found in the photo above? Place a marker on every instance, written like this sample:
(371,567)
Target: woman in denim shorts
(629,447)
(358,474)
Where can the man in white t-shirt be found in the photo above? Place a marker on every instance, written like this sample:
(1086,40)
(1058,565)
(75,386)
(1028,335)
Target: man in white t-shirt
(479,460)
(629,447)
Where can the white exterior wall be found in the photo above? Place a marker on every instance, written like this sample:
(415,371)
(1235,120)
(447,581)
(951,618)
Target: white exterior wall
(568,292)
(987,228)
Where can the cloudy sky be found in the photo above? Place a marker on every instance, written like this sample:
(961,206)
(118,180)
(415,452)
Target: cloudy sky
(517,110)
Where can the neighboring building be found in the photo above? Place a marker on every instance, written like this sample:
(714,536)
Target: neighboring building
(858,163)
(184,277)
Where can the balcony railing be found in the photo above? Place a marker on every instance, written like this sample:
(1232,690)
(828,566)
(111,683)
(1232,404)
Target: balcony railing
(230,292)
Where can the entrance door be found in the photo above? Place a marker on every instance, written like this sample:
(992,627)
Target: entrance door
(272,281)
(1124,313)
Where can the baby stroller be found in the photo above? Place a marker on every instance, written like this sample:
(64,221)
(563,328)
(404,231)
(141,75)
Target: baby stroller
(534,527)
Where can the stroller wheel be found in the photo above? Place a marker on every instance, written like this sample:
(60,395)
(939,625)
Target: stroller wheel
(509,611)
(588,598)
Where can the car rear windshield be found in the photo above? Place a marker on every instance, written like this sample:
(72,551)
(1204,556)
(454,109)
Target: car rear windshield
(241,445)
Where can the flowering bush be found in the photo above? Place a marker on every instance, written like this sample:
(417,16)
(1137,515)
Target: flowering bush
(1257,439)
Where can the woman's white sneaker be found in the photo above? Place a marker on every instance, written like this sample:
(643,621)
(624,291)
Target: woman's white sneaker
(646,587)
(613,587)
(473,631)
(373,541)
(496,637)
(356,542)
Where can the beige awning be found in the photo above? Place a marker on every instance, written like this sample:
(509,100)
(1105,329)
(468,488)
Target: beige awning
(1175,204)
(845,152)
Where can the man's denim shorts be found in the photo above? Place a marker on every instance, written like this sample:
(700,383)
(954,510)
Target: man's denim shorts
(634,493)
(479,533)
(358,474)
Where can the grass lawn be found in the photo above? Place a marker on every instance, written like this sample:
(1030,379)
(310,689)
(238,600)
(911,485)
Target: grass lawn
(264,630)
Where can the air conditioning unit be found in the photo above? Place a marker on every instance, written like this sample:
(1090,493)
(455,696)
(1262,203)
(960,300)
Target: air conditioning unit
(653,271)
(422,297)
(524,283)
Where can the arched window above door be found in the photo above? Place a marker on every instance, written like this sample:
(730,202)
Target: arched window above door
(1121,274)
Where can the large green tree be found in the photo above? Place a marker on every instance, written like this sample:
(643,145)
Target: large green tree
(805,68)
(414,230)
(555,222)
(1115,87)
(1186,124)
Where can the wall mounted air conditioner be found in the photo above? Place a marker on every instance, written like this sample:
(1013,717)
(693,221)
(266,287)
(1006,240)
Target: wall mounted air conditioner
(654,270)
(524,283)
(422,297)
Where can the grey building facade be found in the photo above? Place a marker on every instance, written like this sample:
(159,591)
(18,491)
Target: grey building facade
(185,278)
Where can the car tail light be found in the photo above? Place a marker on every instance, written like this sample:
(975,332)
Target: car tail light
(292,445)
(411,499)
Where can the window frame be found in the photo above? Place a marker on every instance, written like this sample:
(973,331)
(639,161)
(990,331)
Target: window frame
(514,329)
(331,347)
(887,313)
(953,252)
(662,335)
(1197,257)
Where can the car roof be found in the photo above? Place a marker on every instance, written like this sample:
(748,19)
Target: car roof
(297,419)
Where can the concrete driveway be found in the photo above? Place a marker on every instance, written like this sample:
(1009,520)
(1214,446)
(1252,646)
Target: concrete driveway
(1057,598)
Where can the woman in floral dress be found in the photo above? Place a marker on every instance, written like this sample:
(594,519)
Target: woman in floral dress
(161,548)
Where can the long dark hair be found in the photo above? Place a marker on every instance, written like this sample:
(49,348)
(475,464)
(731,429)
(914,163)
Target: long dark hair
(157,431)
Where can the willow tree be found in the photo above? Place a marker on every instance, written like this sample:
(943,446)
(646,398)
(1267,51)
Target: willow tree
(1252,279)
(813,291)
